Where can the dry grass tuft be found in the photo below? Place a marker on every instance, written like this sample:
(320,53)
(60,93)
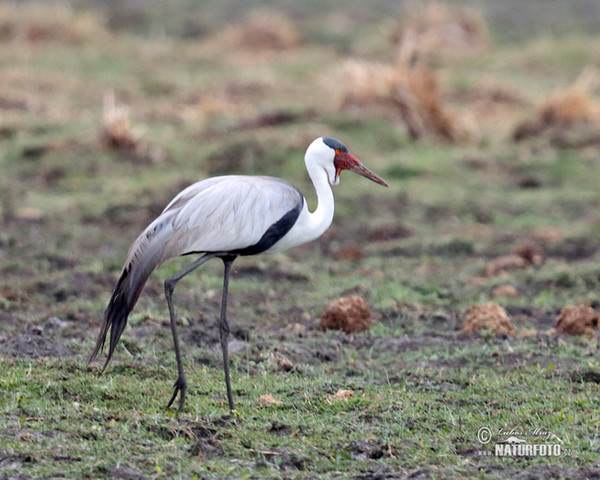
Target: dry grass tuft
(565,108)
(263,30)
(408,86)
(433,29)
(411,90)
(342,395)
(267,399)
(575,103)
(117,131)
(118,134)
(48,22)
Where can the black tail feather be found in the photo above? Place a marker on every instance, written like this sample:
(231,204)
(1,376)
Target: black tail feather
(115,317)
(144,256)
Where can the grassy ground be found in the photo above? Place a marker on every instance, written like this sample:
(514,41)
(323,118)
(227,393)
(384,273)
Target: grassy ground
(106,115)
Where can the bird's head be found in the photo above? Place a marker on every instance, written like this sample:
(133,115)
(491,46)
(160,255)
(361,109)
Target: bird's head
(333,156)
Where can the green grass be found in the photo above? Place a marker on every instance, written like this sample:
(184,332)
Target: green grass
(70,207)
(400,419)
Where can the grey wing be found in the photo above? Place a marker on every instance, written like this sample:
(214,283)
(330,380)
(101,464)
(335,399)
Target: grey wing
(240,214)
(149,247)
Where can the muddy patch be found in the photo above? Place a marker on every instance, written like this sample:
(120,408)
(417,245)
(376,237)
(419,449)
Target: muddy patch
(33,343)
(206,443)
(280,460)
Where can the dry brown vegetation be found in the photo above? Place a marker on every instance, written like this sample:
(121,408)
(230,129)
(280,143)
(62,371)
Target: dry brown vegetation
(263,30)
(565,108)
(409,86)
(436,29)
(411,91)
(76,188)
(47,22)
(342,395)
(118,133)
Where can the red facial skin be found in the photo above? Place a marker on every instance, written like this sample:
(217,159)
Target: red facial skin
(347,161)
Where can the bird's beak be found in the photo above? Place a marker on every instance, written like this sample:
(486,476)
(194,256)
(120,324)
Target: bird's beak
(347,161)
(365,172)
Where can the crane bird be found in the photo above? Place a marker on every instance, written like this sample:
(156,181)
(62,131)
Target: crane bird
(226,217)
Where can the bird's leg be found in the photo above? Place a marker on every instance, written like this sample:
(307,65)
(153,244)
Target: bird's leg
(224,328)
(181,383)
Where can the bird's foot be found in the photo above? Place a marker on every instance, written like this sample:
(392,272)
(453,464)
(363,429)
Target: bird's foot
(180,386)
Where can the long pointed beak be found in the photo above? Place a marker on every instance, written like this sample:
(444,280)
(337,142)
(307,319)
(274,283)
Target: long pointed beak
(365,172)
(346,161)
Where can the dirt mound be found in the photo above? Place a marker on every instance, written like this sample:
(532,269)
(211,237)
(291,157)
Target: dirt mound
(522,256)
(33,344)
(577,320)
(489,316)
(350,314)
(505,291)
(500,265)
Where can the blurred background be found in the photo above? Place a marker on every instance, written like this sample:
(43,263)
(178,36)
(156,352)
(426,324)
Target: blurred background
(483,116)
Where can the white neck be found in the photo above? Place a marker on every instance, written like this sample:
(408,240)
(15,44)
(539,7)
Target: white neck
(321,218)
(310,226)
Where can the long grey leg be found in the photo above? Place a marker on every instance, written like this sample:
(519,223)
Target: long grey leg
(181,383)
(224,329)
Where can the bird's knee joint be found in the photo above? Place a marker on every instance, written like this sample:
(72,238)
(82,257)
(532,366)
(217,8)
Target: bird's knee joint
(224,328)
